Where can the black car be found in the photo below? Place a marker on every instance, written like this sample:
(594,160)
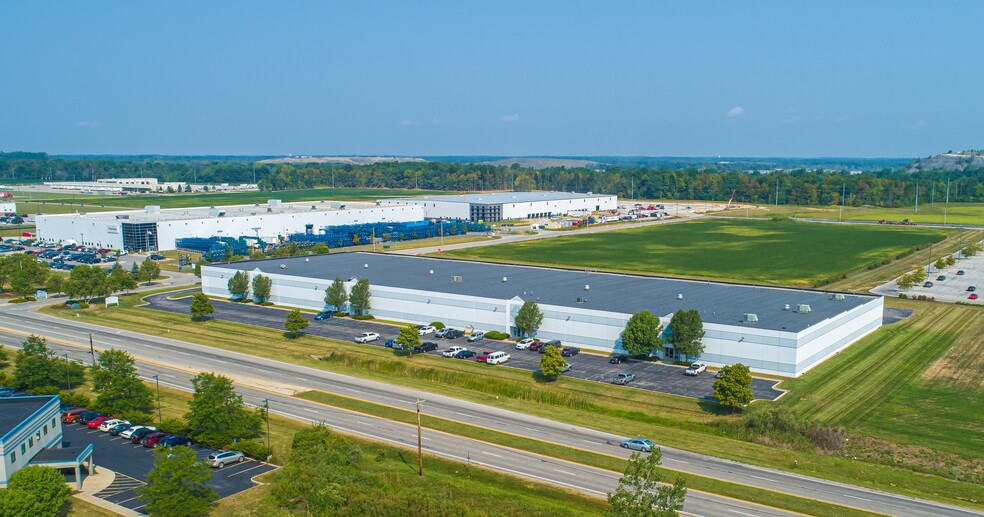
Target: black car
(427,346)
(139,434)
(464,354)
(119,428)
(454,333)
(156,256)
(554,343)
(570,351)
(323,315)
(88,415)
(617,359)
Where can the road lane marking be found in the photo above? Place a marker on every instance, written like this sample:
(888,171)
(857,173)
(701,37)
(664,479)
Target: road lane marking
(492,454)
(741,513)
(565,472)
(856,497)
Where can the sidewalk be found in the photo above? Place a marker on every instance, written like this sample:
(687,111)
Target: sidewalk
(96,483)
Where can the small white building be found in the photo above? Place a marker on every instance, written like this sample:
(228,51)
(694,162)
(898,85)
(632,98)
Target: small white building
(7,207)
(497,206)
(155,229)
(28,425)
(773,330)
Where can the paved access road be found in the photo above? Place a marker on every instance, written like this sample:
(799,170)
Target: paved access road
(176,361)
(649,376)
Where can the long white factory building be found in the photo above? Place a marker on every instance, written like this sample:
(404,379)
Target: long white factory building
(492,207)
(773,330)
(154,229)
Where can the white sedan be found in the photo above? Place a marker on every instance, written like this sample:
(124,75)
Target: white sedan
(366,337)
(523,344)
(111,423)
(129,432)
(426,329)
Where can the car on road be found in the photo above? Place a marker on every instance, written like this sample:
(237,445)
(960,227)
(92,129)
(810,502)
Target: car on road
(482,357)
(119,428)
(941,278)
(638,444)
(220,459)
(617,359)
(323,315)
(452,350)
(427,346)
(695,369)
(624,378)
(475,336)
(173,440)
(497,358)
(426,329)
(136,429)
(523,344)
(928,284)
(973,296)
(570,351)
(150,440)
(111,423)
(960,273)
(139,434)
(971,289)
(366,337)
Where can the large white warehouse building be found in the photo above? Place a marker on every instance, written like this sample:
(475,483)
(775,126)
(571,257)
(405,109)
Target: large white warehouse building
(155,229)
(497,206)
(771,329)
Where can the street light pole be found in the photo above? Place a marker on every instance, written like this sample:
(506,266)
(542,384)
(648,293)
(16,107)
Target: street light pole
(420,454)
(158,379)
(68,370)
(266,403)
(92,350)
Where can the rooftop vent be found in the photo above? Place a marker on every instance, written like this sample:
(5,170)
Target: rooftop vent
(679,296)
(582,300)
(257,204)
(269,210)
(587,287)
(365,266)
(803,308)
(749,317)
(456,278)
(838,297)
(785,307)
(273,202)
(430,272)
(153,209)
(313,207)
(123,216)
(504,279)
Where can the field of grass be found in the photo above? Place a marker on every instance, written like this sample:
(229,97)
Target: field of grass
(677,421)
(955,213)
(769,252)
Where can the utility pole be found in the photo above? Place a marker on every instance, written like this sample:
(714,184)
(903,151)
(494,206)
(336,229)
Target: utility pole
(158,379)
(420,453)
(68,370)
(266,403)
(840,217)
(92,350)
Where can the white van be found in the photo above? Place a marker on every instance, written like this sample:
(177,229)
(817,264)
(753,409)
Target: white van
(497,358)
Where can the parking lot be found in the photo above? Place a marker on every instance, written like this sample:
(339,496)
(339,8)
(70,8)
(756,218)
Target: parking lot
(652,376)
(132,463)
(955,286)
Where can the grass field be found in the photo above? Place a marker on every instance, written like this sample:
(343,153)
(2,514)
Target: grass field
(677,421)
(955,213)
(770,252)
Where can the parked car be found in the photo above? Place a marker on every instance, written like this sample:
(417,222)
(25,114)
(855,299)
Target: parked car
(139,434)
(119,428)
(537,346)
(219,459)
(973,296)
(454,333)
(570,351)
(391,343)
(173,440)
(98,421)
(482,357)
(928,284)
(941,278)
(464,354)
(441,332)
(84,418)
(695,369)
(111,423)
(960,273)
(72,415)
(617,359)
(497,358)
(426,329)
(366,337)
(156,256)
(638,444)
(452,350)
(151,439)
(523,344)
(624,378)
(128,434)
(567,367)
(427,346)
(475,336)
(971,289)
(323,315)
(553,342)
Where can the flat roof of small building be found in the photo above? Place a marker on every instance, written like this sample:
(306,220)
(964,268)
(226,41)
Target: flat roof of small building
(207,212)
(500,197)
(717,302)
(15,410)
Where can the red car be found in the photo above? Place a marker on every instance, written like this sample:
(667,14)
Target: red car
(96,422)
(973,296)
(151,439)
(537,346)
(484,356)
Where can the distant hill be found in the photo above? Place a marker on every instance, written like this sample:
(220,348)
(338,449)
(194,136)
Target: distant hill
(543,163)
(342,160)
(949,161)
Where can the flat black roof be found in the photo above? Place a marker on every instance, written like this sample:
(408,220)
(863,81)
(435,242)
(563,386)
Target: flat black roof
(60,455)
(15,410)
(717,302)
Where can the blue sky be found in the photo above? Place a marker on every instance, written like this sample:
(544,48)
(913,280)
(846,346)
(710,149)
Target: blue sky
(686,78)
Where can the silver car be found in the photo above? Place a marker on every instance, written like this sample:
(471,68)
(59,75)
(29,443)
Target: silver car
(220,458)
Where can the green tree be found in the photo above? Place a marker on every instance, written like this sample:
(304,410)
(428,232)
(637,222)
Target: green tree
(55,283)
(217,414)
(120,280)
(528,319)
(239,285)
(940,263)
(198,267)
(262,285)
(27,274)
(950,260)
(320,248)
(552,363)
(905,282)
(135,271)
(177,486)
(120,390)
(201,307)
(919,275)
(359,298)
(409,336)
(641,492)
(642,334)
(35,365)
(336,295)
(686,332)
(87,282)
(295,323)
(4,358)
(734,387)
(150,270)
(34,491)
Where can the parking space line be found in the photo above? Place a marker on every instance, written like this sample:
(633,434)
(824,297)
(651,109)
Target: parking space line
(259,466)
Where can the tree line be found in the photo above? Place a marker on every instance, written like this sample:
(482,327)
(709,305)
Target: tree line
(887,187)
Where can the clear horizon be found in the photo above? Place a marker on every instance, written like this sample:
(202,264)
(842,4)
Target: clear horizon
(655,79)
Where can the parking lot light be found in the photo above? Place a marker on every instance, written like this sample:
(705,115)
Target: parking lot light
(158,379)
(266,405)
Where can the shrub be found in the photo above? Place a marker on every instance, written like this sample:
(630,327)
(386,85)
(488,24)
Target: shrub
(437,324)
(22,300)
(363,317)
(255,449)
(683,363)
(266,304)
(137,417)
(174,426)
(492,334)
(46,390)
(75,399)
(825,438)
(340,314)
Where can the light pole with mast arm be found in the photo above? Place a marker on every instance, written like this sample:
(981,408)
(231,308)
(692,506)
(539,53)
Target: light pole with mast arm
(420,454)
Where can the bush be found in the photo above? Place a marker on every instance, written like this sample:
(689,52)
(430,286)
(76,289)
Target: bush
(437,324)
(266,304)
(174,426)
(492,334)
(363,317)
(137,417)
(683,363)
(827,439)
(340,314)
(46,390)
(75,399)
(22,300)
(255,449)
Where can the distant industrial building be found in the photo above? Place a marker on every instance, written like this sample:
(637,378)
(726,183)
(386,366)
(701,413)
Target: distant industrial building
(497,206)
(773,330)
(141,186)
(154,229)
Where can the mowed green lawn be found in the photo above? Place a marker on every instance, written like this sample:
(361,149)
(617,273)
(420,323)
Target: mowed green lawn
(955,213)
(770,252)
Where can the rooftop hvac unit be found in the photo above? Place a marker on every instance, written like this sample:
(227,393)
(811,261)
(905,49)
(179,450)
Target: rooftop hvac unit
(313,207)
(587,287)
(679,296)
(153,209)
(269,209)
(273,202)
(802,308)
(365,266)
(430,272)
(124,216)
(838,297)
(582,300)
(785,307)
(749,317)
(455,278)
(504,279)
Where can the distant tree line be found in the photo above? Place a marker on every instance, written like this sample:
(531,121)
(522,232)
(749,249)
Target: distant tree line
(888,187)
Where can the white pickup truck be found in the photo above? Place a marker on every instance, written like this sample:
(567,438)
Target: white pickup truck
(695,369)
